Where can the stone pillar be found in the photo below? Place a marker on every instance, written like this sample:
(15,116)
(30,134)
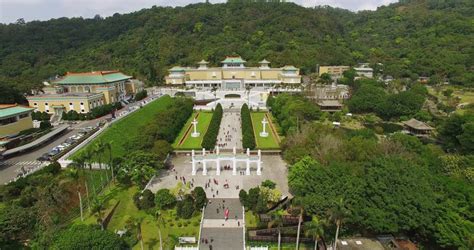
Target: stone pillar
(247,170)
(218,166)
(203,152)
(204,169)
(248,151)
(234,166)
(193,163)
(217,150)
(259,163)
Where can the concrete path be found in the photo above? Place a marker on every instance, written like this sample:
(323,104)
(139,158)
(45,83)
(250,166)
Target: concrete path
(220,233)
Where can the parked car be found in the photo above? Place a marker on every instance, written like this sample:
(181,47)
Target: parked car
(44,157)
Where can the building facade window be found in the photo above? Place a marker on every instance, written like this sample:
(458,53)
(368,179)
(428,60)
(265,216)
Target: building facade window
(7,121)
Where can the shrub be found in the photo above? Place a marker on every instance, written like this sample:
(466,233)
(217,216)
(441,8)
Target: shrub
(45,125)
(209,139)
(40,116)
(141,95)
(164,199)
(248,137)
(269,184)
(180,224)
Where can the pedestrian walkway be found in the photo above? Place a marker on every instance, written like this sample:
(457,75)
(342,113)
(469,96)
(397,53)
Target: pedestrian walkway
(221,230)
(230,132)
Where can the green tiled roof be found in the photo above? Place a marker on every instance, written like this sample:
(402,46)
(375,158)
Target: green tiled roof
(93,78)
(233,60)
(6,112)
(177,69)
(289,67)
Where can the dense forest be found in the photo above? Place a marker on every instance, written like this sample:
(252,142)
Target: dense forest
(410,38)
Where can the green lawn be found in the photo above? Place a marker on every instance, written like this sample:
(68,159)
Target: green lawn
(269,142)
(171,228)
(122,132)
(204,119)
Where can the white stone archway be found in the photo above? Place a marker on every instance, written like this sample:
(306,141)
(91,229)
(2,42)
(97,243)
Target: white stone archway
(216,158)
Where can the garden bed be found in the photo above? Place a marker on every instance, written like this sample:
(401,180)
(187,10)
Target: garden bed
(270,142)
(185,140)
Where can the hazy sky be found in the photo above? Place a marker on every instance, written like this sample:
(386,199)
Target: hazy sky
(11,10)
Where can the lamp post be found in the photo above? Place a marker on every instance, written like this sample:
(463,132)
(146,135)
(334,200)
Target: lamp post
(248,88)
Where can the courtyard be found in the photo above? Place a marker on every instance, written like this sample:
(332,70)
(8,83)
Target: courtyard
(273,168)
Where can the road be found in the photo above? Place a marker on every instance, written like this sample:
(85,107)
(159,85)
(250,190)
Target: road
(11,167)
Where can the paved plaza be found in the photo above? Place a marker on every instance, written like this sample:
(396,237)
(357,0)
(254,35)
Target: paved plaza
(230,131)
(273,168)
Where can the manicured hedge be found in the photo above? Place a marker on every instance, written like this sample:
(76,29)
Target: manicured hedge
(248,137)
(209,140)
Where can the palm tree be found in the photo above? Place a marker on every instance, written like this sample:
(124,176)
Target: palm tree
(80,164)
(315,229)
(159,221)
(277,220)
(108,147)
(337,214)
(99,149)
(97,207)
(87,156)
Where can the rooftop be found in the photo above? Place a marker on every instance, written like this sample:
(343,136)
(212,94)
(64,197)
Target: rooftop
(264,61)
(70,95)
(419,125)
(289,67)
(7,110)
(329,103)
(94,77)
(233,59)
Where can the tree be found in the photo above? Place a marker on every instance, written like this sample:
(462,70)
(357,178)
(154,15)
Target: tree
(144,200)
(325,78)
(277,221)
(87,237)
(159,221)
(96,208)
(337,215)
(200,199)
(185,208)
(161,149)
(164,199)
(315,229)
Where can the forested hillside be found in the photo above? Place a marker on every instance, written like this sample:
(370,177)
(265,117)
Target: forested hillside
(416,37)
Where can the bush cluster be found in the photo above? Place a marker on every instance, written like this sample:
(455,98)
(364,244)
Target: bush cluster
(96,112)
(292,111)
(248,137)
(166,125)
(141,95)
(40,116)
(209,140)
(370,96)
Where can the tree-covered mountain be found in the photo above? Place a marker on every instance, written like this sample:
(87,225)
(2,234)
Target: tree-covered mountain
(410,38)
